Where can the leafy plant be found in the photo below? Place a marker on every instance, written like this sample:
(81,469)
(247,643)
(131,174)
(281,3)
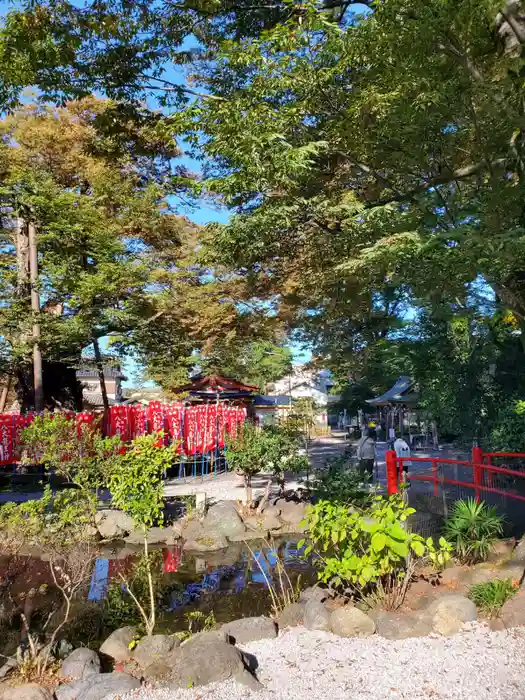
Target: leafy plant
(340,484)
(197,622)
(472,529)
(362,550)
(490,596)
(136,485)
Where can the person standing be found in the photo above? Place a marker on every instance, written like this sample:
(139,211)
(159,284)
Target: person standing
(366,453)
(402,449)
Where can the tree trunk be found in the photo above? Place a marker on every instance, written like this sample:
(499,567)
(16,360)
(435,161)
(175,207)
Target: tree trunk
(5,393)
(35,308)
(100,369)
(248,487)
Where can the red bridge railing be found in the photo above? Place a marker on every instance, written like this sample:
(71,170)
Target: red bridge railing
(479,476)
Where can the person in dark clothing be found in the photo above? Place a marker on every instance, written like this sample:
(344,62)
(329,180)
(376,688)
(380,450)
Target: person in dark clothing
(366,453)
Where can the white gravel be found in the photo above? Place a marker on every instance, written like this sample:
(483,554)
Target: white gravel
(303,665)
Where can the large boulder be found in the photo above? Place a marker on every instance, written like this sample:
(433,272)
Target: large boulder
(223,518)
(250,629)
(316,616)
(113,524)
(512,613)
(155,535)
(207,542)
(30,691)
(402,625)
(351,622)
(80,664)
(154,648)
(263,524)
(117,644)
(313,593)
(97,687)
(449,612)
(292,615)
(204,662)
(291,512)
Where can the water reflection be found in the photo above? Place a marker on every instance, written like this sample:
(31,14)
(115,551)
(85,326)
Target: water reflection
(220,573)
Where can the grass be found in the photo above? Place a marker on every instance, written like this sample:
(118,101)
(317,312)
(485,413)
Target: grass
(282,590)
(490,596)
(473,529)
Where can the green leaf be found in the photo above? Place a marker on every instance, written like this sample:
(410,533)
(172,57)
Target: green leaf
(379,541)
(418,548)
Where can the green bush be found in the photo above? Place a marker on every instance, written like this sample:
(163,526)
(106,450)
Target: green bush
(490,596)
(472,529)
(339,483)
(270,449)
(363,549)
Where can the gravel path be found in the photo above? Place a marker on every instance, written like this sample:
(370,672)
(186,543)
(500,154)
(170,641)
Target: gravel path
(303,665)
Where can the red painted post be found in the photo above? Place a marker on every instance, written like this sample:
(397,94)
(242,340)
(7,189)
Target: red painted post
(392,485)
(477,461)
(435,476)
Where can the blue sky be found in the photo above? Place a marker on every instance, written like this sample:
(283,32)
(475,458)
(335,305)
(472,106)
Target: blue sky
(203,214)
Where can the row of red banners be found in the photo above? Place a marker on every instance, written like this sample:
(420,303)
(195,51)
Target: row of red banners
(194,429)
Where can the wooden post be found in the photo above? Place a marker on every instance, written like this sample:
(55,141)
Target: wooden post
(35,308)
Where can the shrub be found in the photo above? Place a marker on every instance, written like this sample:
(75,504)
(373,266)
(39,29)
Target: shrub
(340,484)
(472,529)
(490,596)
(362,551)
(136,485)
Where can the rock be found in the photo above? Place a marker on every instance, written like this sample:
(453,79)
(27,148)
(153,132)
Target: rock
(223,518)
(263,524)
(155,648)
(313,593)
(518,553)
(30,691)
(449,612)
(155,535)
(502,550)
(512,613)
(316,616)
(351,622)
(292,615)
(97,687)
(176,529)
(402,625)
(248,536)
(80,664)
(250,629)
(207,542)
(192,528)
(202,663)
(291,512)
(9,666)
(210,637)
(63,649)
(117,644)
(113,524)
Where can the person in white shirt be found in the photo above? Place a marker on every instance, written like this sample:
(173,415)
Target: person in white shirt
(402,449)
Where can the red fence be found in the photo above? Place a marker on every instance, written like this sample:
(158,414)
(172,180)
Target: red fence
(497,478)
(195,429)
(480,475)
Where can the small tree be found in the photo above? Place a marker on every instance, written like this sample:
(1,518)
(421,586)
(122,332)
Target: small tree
(136,485)
(270,449)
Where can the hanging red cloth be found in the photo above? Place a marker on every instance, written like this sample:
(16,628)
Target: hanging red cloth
(6,438)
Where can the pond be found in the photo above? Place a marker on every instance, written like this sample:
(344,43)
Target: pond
(231,583)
